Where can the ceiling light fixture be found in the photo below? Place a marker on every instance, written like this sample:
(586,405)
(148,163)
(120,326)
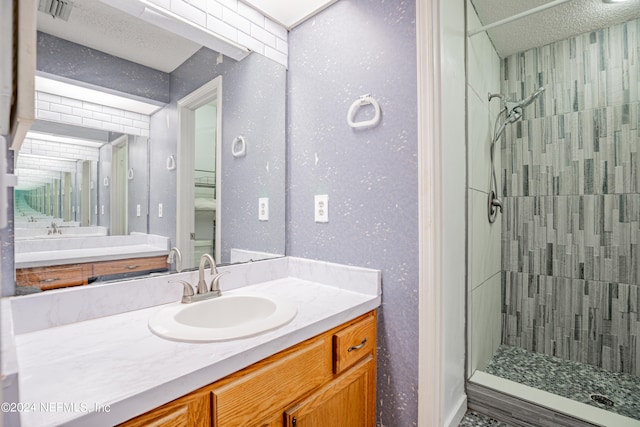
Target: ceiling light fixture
(96,96)
(614,1)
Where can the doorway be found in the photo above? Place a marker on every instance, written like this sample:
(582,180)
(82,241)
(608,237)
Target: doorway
(198,222)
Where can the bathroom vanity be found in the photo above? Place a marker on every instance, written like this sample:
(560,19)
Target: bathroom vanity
(107,366)
(326,380)
(63,262)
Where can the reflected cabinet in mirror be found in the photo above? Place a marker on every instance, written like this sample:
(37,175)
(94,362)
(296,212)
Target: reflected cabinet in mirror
(147,155)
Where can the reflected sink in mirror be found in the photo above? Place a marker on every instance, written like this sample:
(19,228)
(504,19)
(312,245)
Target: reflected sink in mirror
(219,319)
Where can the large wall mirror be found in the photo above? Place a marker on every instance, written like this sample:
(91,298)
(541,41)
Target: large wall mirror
(89,178)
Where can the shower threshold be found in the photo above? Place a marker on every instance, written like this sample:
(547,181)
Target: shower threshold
(564,386)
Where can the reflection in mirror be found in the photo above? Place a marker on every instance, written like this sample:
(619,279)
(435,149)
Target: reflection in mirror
(129,190)
(70,186)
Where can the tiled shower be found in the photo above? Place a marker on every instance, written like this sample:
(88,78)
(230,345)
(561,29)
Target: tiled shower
(571,188)
(566,284)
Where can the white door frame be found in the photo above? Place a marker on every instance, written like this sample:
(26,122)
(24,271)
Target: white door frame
(185,223)
(430,329)
(119,206)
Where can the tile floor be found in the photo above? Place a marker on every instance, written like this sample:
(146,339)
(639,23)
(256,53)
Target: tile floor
(472,418)
(569,379)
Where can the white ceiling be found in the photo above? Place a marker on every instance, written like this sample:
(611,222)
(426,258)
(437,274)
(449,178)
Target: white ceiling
(554,24)
(101,27)
(289,13)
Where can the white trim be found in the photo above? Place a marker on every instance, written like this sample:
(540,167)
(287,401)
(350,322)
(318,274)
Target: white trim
(430,378)
(457,415)
(185,223)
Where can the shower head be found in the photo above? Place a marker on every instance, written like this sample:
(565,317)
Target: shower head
(529,99)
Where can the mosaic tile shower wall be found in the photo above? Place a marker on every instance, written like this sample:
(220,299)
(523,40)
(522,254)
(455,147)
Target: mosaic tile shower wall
(571,187)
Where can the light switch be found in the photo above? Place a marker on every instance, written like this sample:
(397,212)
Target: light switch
(263,209)
(138,210)
(102,210)
(321,208)
(159,210)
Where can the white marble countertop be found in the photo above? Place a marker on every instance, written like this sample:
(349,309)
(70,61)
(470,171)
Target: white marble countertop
(116,364)
(73,250)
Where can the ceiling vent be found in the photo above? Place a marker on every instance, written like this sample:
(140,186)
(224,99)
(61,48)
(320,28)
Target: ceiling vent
(57,8)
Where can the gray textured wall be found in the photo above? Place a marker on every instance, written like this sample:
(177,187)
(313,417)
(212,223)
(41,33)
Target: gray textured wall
(572,213)
(353,48)
(77,62)
(253,93)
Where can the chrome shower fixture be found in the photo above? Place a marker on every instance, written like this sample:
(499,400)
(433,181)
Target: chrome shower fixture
(525,102)
(512,112)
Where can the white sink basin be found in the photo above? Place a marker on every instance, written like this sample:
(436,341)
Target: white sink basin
(224,318)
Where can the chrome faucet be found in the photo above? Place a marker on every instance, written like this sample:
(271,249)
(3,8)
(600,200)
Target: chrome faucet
(202,285)
(175,253)
(203,292)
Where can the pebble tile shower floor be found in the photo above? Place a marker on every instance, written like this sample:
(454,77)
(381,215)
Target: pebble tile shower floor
(568,379)
(473,419)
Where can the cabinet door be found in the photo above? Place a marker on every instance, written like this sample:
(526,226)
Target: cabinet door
(347,401)
(193,410)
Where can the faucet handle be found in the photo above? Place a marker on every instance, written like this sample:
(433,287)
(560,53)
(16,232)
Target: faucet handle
(187,290)
(214,287)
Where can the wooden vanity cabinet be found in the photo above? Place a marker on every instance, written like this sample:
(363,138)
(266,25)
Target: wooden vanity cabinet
(328,380)
(62,276)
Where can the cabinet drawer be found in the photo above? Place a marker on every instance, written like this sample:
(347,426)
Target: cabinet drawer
(106,268)
(272,386)
(53,277)
(353,343)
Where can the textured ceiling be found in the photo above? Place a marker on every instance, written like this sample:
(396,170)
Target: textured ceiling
(557,23)
(109,30)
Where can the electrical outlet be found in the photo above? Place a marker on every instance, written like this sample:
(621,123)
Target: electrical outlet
(263,209)
(321,208)
(159,210)
(137,210)
(101,209)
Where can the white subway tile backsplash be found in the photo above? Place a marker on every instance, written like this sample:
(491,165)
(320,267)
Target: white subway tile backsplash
(113,111)
(231,4)
(276,29)
(122,120)
(70,102)
(251,14)
(102,117)
(92,123)
(162,3)
(87,114)
(277,56)
(222,28)
(251,43)
(91,106)
(200,4)
(69,118)
(131,130)
(189,12)
(262,35)
(43,96)
(214,8)
(140,124)
(132,115)
(61,108)
(112,127)
(48,115)
(282,46)
(82,112)
(236,21)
